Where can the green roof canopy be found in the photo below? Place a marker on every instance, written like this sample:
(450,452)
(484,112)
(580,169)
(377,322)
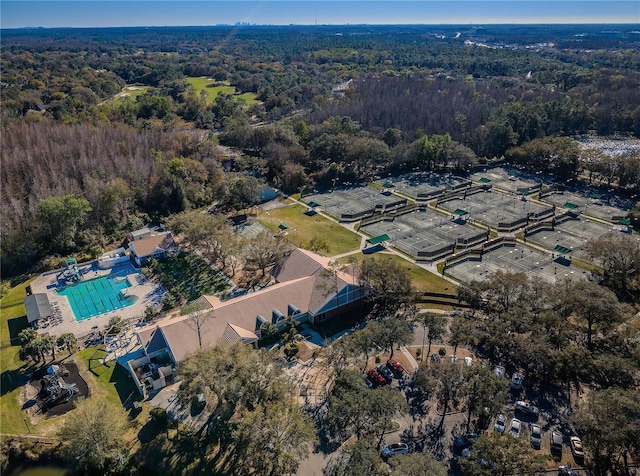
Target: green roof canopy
(460,212)
(523,191)
(625,221)
(378,239)
(282,226)
(313,204)
(387,184)
(562,250)
(570,205)
(484,180)
(597,196)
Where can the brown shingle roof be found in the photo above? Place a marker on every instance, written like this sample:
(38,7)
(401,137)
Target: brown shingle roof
(147,246)
(305,288)
(241,312)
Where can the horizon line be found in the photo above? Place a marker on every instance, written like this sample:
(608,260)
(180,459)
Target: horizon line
(246,24)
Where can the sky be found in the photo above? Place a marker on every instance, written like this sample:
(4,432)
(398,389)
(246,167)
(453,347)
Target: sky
(97,13)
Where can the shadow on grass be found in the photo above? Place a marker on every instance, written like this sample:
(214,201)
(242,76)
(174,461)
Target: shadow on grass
(16,325)
(10,380)
(127,390)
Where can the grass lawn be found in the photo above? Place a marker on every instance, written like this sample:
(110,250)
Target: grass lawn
(423,280)
(190,276)
(302,228)
(109,381)
(213,88)
(12,320)
(131,92)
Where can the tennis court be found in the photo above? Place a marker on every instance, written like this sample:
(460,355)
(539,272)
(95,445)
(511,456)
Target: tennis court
(424,185)
(574,234)
(593,204)
(516,259)
(427,235)
(355,203)
(510,179)
(498,210)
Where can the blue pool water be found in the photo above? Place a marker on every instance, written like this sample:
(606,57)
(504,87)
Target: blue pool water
(96,296)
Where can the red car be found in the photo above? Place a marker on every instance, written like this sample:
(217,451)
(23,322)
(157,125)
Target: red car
(375,378)
(395,366)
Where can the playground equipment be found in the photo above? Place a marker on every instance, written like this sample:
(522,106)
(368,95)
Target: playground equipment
(70,274)
(54,389)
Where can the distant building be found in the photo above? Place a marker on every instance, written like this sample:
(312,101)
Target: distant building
(152,246)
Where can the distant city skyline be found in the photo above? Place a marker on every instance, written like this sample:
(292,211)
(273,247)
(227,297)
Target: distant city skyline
(96,13)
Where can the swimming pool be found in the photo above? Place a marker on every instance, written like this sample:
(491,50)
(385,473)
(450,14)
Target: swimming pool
(96,296)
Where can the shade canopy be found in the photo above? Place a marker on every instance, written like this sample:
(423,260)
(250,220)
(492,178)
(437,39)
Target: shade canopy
(562,249)
(460,212)
(378,239)
(37,306)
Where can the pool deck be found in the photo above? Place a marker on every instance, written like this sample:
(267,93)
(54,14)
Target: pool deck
(148,293)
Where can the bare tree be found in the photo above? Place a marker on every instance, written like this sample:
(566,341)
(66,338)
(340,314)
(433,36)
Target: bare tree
(198,314)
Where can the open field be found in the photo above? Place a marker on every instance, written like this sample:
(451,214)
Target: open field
(131,92)
(213,88)
(302,228)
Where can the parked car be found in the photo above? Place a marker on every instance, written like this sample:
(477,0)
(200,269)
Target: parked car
(395,366)
(555,442)
(201,401)
(526,407)
(501,423)
(535,436)
(515,428)
(516,381)
(464,441)
(499,370)
(576,448)
(468,361)
(368,382)
(394,449)
(565,470)
(385,372)
(376,379)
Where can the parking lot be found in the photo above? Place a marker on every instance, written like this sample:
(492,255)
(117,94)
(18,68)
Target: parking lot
(516,259)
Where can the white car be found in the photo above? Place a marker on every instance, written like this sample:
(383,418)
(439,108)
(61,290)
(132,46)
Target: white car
(516,381)
(501,423)
(515,428)
(499,370)
(526,407)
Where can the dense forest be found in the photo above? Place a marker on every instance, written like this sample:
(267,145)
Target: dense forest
(81,166)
